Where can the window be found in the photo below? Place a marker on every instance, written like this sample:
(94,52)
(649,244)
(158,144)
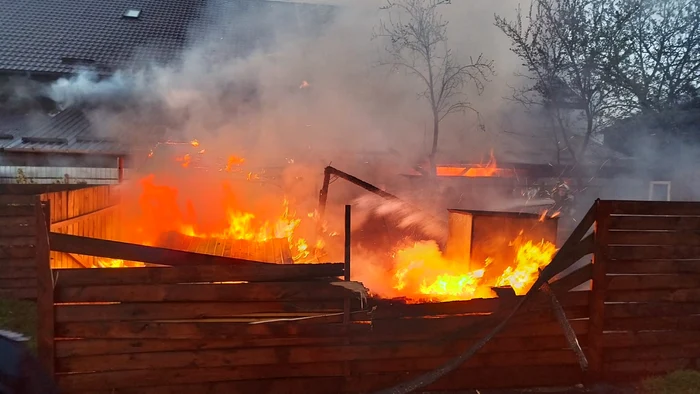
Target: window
(659,191)
(132,13)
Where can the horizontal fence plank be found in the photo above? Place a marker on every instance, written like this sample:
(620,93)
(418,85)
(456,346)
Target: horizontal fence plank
(465,327)
(482,377)
(16,210)
(659,352)
(17,252)
(419,352)
(573,280)
(633,370)
(644,238)
(655,309)
(200,273)
(17,199)
(186,310)
(17,272)
(201,330)
(17,283)
(12,226)
(653,267)
(631,339)
(251,292)
(392,309)
(18,294)
(653,252)
(653,282)
(665,208)
(679,295)
(672,223)
(92,347)
(17,241)
(681,323)
(133,252)
(146,377)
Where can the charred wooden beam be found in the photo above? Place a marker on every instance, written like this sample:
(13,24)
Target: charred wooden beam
(132,252)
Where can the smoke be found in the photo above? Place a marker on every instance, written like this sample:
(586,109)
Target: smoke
(86,88)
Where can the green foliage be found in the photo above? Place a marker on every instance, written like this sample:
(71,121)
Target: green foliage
(678,382)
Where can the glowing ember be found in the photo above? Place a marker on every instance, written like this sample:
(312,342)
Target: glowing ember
(421,272)
(194,143)
(233,161)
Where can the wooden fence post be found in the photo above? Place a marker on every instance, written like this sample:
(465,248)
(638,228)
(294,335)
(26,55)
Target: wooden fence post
(598,290)
(45,289)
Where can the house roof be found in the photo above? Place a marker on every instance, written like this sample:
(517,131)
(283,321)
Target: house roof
(66,132)
(62,36)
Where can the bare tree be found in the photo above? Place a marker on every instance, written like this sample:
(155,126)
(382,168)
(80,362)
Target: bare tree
(417,42)
(563,44)
(656,62)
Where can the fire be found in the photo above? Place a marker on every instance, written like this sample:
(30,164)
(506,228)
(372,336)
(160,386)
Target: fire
(490,169)
(421,272)
(194,143)
(233,161)
(116,263)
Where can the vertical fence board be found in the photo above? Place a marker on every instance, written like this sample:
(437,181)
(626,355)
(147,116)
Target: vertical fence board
(45,290)
(597,295)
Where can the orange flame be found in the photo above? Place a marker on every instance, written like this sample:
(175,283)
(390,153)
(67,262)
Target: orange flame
(421,272)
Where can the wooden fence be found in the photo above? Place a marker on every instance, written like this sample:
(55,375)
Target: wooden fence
(89,212)
(180,329)
(18,238)
(647,287)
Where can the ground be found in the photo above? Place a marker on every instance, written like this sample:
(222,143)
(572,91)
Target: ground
(19,316)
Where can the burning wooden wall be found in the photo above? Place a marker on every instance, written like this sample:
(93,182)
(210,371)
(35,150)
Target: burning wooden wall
(274,250)
(89,212)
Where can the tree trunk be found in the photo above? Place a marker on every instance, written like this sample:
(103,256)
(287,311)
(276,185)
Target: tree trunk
(433,151)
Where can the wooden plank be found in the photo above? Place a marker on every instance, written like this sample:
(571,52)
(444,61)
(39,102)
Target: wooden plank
(200,273)
(666,208)
(653,252)
(386,352)
(482,378)
(17,273)
(85,217)
(132,252)
(632,339)
(19,294)
(17,283)
(660,352)
(656,309)
(186,310)
(599,287)
(17,241)
(654,267)
(679,295)
(412,328)
(16,210)
(12,226)
(17,252)
(313,385)
(632,370)
(149,377)
(10,263)
(45,291)
(92,347)
(645,238)
(672,223)
(17,199)
(573,280)
(660,323)
(653,282)
(388,309)
(252,292)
